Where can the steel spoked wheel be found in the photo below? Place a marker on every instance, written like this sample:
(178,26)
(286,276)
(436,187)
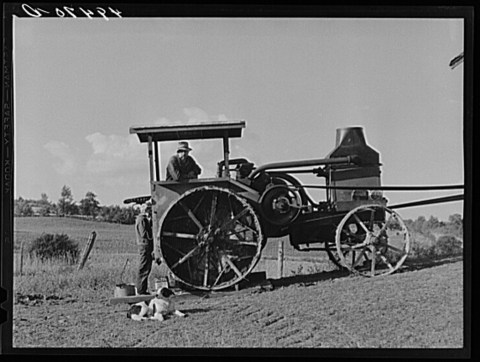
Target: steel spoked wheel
(372,240)
(210,238)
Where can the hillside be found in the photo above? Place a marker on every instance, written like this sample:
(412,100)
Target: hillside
(420,308)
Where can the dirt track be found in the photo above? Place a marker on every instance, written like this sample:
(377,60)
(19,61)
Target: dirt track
(418,308)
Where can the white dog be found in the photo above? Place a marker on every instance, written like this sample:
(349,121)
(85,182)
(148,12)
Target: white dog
(157,309)
(139,311)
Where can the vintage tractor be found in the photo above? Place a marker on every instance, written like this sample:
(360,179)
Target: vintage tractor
(210,232)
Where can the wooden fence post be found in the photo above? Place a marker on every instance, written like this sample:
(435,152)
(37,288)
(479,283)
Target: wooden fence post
(87,249)
(21,258)
(280,259)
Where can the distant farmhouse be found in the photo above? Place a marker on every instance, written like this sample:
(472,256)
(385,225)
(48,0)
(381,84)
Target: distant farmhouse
(41,210)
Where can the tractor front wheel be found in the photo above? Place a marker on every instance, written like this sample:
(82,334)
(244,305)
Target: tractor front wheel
(372,240)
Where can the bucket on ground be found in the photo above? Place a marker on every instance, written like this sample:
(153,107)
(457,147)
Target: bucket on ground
(161,282)
(124,290)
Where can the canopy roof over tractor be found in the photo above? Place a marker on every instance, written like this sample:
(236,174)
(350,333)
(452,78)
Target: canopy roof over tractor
(228,129)
(154,134)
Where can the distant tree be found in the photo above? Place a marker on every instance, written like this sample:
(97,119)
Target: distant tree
(128,215)
(418,224)
(65,204)
(104,213)
(448,245)
(89,205)
(117,214)
(17,211)
(73,209)
(46,206)
(432,224)
(44,198)
(454,226)
(22,207)
(456,220)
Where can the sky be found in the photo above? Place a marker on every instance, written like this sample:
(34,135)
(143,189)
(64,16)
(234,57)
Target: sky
(80,84)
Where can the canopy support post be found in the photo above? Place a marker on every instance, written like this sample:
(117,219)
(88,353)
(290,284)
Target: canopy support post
(150,157)
(226,152)
(157,162)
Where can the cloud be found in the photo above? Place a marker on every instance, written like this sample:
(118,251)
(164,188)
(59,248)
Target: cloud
(113,154)
(66,163)
(163,122)
(222,118)
(206,152)
(196,115)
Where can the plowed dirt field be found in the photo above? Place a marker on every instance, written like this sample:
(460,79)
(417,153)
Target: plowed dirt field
(420,307)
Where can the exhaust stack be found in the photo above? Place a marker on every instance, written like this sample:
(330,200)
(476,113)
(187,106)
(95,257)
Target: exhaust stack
(364,173)
(351,141)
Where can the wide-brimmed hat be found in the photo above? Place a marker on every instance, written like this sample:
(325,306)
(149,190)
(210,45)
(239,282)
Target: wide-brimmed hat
(183,146)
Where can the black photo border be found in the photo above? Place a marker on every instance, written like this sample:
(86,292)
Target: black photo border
(298,10)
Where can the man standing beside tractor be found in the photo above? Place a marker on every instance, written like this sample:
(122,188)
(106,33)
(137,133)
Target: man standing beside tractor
(182,166)
(143,231)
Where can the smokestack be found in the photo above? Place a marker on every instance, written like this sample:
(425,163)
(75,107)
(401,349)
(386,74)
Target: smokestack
(350,136)
(351,141)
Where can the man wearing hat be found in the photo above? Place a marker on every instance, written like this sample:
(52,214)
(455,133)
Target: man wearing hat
(182,166)
(143,232)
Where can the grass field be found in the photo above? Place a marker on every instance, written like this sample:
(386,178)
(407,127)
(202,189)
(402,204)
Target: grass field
(113,257)
(111,238)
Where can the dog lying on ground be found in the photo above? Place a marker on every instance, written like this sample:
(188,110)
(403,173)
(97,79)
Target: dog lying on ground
(158,308)
(139,311)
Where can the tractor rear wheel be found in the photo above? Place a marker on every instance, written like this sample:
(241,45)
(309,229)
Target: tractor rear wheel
(210,238)
(372,240)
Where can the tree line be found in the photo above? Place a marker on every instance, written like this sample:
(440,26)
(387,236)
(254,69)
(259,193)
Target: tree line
(88,207)
(432,225)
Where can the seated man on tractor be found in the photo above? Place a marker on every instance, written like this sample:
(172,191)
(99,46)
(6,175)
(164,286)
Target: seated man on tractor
(182,166)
